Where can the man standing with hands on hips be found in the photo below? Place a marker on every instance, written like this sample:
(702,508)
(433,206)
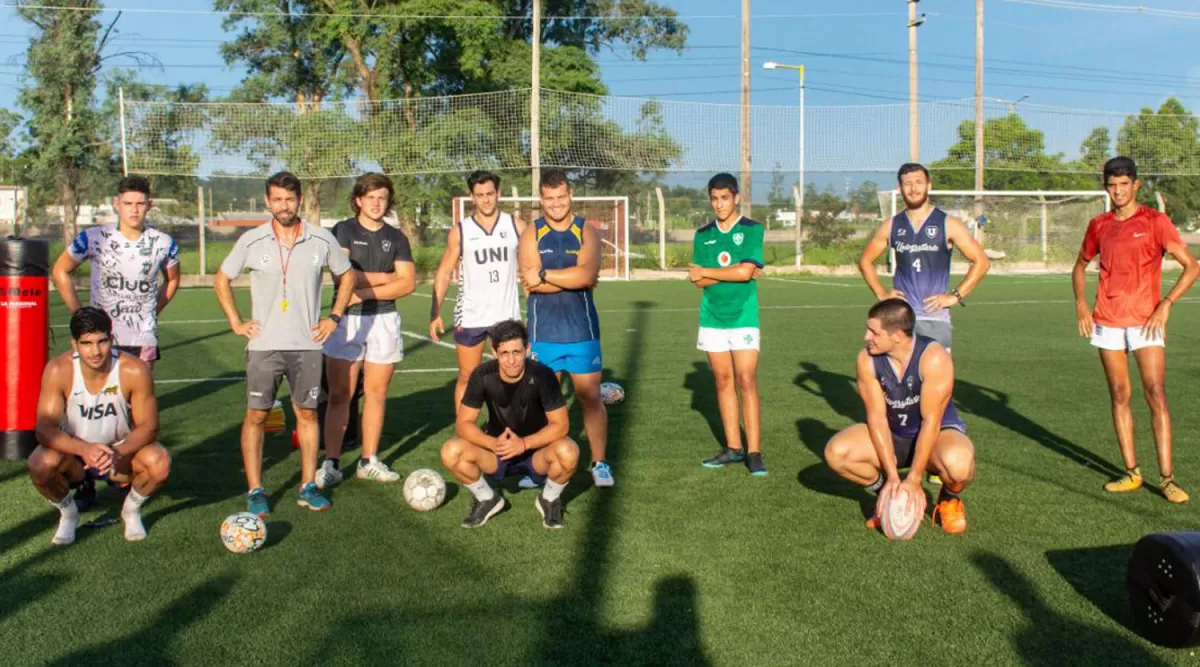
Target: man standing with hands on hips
(286,258)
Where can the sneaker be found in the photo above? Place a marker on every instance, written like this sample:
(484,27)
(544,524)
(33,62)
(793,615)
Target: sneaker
(873,523)
(756,465)
(528,482)
(481,511)
(258,504)
(551,511)
(328,476)
(376,470)
(933,479)
(311,498)
(950,515)
(601,475)
(85,495)
(726,457)
(1172,492)
(1130,481)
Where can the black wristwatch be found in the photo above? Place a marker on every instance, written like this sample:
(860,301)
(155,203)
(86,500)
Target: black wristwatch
(959,297)
(337,319)
(542,275)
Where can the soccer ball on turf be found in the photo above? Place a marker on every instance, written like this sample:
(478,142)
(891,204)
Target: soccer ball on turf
(243,533)
(611,393)
(424,490)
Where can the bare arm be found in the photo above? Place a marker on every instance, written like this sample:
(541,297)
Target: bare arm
(466,426)
(56,382)
(228,304)
(937,373)
(871,254)
(556,428)
(586,271)
(403,281)
(1156,326)
(877,423)
(170,286)
(1083,312)
(441,279)
(345,290)
(738,273)
(63,268)
(135,375)
(530,263)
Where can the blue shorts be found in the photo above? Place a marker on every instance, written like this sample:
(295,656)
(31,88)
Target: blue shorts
(574,358)
(522,465)
(471,336)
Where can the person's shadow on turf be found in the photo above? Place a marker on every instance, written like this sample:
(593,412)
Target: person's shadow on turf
(841,395)
(1052,639)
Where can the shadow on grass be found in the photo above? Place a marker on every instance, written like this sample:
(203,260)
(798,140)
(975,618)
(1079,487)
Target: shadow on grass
(703,388)
(1052,639)
(1098,575)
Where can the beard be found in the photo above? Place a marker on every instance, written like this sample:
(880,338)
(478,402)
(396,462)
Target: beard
(916,204)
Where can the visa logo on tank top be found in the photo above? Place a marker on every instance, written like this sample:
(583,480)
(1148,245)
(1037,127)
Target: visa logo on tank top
(98,412)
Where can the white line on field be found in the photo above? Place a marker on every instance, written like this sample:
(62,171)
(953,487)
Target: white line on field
(805,282)
(398,371)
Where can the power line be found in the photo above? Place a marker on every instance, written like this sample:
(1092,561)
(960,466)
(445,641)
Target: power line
(1112,9)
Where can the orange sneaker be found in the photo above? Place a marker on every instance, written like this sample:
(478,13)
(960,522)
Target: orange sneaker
(951,516)
(873,523)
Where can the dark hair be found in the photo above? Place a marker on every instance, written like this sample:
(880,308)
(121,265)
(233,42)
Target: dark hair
(286,180)
(1120,166)
(367,183)
(502,332)
(482,176)
(723,181)
(910,167)
(133,184)
(88,320)
(895,315)
(553,179)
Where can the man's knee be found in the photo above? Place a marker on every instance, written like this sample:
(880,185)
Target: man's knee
(256,417)
(452,452)
(1156,395)
(566,453)
(1120,392)
(747,380)
(305,416)
(958,462)
(155,461)
(723,379)
(837,451)
(43,464)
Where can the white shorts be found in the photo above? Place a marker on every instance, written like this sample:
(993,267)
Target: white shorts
(727,340)
(1123,338)
(371,338)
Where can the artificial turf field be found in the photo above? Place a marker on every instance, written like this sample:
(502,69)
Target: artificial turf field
(677,564)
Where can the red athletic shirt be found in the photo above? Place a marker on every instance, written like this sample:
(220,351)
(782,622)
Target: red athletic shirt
(1131,253)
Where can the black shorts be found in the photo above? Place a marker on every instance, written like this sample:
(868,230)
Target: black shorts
(471,336)
(906,447)
(522,465)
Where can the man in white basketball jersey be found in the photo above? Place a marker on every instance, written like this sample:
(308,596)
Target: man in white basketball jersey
(135,271)
(97,419)
(484,249)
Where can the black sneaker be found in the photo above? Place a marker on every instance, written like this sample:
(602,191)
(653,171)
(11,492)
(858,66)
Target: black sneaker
(726,457)
(85,495)
(756,465)
(551,511)
(481,511)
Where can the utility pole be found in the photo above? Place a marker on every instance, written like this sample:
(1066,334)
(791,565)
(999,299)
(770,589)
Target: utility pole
(745,179)
(978,104)
(535,102)
(914,138)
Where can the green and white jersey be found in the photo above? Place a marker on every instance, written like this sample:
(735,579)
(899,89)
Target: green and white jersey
(729,305)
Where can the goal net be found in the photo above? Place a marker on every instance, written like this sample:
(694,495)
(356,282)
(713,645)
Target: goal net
(609,215)
(1021,230)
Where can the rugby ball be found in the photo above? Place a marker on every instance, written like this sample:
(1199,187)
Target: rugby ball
(896,517)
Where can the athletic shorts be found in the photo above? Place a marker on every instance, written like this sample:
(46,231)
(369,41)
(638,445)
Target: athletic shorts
(939,330)
(574,358)
(1121,339)
(727,340)
(471,336)
(522,465)
(265,369)
(373,338)
(147,353)
(906,447)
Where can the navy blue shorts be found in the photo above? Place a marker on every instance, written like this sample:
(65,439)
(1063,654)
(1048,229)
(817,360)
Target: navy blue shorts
(471,336)
(522,465)
(906,448)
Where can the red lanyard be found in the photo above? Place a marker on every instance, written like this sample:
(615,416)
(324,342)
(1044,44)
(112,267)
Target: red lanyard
(284,262)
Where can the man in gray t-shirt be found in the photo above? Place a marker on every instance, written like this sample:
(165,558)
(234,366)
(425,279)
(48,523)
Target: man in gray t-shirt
(286,258)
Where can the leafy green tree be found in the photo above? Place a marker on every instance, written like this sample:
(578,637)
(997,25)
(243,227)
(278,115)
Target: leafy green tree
(1015,158)
(1166,141)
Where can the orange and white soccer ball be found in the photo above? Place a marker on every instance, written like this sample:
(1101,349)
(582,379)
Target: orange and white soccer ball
(424,490)
(243,533)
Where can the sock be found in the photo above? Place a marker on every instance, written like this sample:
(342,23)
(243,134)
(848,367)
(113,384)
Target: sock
(371,459)
(257,489)
(133,502)
(552,490)
(130,514)
(67,521)
(481,490)
(948,494)
(875,486)
(334,463)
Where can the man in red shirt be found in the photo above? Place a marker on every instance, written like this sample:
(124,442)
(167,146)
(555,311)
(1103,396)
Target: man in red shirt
(1131,314)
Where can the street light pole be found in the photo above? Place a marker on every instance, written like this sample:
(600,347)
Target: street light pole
(800,183)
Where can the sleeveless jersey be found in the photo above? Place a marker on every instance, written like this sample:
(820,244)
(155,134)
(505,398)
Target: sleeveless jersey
(487,275)
(568,316)
(903,394)
(922,261)
(102,417)
(126,277)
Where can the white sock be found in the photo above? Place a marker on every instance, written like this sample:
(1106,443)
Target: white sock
(552,490)
(133,501)
(68,520)
(481,490)
(131,514)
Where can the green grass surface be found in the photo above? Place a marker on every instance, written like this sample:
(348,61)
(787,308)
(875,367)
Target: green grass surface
(677,564)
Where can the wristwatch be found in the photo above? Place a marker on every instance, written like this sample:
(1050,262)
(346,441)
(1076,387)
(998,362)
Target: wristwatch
(337,319)
(959,297)
(542,275)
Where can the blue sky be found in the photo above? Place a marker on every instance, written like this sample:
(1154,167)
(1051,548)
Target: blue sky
(855,53)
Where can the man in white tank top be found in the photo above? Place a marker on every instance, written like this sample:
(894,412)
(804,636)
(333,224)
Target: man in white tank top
(97,419)
(483,248)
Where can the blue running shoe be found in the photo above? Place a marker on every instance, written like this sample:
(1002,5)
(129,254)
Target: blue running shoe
(602,474)
(258,503)
(726,457)
(528,482)
(756,465)
(311,498)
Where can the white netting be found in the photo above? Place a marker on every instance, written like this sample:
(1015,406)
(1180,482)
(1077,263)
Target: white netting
(432,135)
(609,214)
(1021,230)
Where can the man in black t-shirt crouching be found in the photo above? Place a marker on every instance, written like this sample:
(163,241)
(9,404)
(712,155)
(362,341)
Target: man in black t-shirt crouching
(526,431)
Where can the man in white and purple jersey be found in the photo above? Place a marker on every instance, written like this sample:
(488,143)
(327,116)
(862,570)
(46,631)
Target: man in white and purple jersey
(924,238)
(135,271)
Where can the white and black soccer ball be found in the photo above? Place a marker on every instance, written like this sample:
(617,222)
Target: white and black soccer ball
(243,533)
(611,393)
(424,490)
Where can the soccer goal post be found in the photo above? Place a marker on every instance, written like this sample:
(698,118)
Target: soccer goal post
(609,215)
(1021,230)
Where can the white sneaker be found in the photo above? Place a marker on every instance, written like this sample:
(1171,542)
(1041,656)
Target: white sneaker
(134,530)
(328,476)
(602,474)
(376,470)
